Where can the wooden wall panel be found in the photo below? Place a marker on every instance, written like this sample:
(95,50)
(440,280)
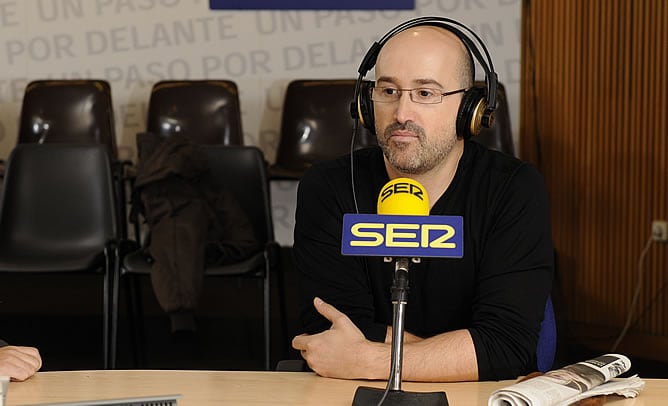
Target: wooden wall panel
(594,101)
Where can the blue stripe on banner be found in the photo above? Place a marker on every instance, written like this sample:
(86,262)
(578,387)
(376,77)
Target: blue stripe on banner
(312,4)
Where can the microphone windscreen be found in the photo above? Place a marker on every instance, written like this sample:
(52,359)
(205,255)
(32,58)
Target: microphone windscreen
(403,196)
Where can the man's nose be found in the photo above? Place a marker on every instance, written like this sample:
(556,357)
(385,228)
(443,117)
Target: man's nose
(405,108)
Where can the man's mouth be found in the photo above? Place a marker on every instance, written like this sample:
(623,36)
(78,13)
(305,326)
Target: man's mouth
(403,135)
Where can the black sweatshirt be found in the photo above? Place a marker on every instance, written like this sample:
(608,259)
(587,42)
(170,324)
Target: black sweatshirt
(497,290)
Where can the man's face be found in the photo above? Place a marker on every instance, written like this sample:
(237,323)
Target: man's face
(416,138)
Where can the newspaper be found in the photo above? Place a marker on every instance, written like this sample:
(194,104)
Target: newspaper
(572,383)
(4,386)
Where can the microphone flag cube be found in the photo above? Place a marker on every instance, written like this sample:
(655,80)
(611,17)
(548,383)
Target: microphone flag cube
(403,226)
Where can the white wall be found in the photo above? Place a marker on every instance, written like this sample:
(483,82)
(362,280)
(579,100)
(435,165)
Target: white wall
(134,43)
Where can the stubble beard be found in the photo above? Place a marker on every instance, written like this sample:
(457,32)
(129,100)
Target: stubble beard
(414,158)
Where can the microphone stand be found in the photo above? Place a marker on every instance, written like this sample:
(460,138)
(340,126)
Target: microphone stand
(393,395)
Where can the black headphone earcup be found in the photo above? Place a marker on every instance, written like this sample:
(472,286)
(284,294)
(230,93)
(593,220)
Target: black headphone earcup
(471,112)
(365,106)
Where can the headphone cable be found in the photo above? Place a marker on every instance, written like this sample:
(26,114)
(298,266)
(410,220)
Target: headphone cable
(352,166)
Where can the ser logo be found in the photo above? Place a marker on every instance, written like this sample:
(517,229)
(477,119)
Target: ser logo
(401,235)
(402,187)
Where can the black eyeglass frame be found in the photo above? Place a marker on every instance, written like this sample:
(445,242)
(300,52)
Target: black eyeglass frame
(411,94)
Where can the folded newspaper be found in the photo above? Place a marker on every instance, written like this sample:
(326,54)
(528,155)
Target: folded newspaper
(4,386)
(572,383)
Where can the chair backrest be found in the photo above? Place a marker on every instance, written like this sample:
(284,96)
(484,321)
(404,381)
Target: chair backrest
(68,111)
(242,170)
(500,136)
(55,219)
(316,125)
(206,110)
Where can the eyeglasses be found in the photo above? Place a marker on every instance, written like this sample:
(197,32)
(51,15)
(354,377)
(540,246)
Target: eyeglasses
(422,95)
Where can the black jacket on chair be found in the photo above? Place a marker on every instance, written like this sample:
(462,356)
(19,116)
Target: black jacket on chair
(191,224)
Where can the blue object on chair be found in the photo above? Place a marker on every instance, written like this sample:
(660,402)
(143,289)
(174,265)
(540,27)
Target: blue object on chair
(547,339)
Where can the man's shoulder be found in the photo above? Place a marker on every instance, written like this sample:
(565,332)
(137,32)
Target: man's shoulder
(331,182)
(500,165)
(338,169)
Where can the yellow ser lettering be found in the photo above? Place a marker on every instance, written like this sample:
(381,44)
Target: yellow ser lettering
(393,233)
(440,241)
(372,238)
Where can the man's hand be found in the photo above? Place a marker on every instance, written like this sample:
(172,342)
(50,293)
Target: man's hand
(19,363)
(342,351)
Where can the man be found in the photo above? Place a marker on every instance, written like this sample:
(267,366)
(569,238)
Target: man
(19,363)
(474,318)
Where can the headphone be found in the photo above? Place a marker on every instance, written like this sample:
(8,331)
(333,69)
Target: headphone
(476,109)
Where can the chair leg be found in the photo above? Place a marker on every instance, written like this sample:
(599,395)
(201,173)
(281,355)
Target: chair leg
(112,308)
(114,327)
(105,324)
(282,309)
(267,317)
(121,196)
(106,289)
(136,316)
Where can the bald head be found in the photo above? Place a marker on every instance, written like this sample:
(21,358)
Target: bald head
(429,47)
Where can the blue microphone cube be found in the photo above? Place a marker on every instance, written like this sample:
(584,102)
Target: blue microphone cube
(403,236)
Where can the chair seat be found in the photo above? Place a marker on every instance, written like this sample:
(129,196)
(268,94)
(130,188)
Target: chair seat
(32,263)
(254,263)
(136,263)
(33,258)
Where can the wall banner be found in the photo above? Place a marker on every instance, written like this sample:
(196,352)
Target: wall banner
(312,4)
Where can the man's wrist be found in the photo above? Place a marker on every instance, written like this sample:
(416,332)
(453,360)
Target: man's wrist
(376,361)
(408,337)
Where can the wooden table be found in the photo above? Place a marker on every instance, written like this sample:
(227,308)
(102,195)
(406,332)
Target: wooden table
(254,388)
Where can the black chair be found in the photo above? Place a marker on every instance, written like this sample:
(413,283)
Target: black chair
(240,170)
(316,125)
(61,221)
(500,136)
(206,110)
(74,111)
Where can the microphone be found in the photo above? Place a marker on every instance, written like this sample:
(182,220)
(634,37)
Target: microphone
(402,228)
(403,196)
